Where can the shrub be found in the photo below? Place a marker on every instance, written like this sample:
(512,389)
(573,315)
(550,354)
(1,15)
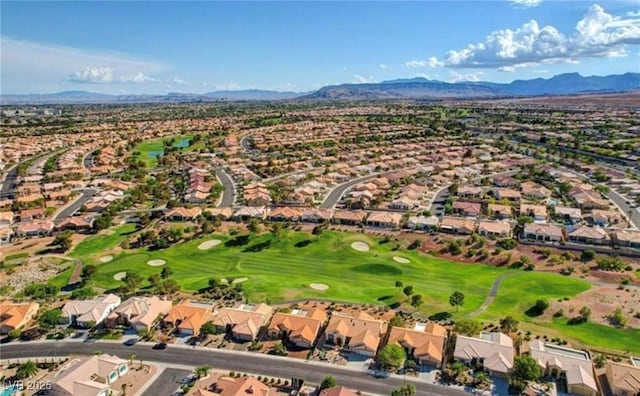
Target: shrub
(587,255)
(507,244)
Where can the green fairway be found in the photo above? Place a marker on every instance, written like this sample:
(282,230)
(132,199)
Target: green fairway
(281,268)
(95,245)
(151,149)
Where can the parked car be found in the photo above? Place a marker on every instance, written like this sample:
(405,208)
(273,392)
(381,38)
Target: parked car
(160,345)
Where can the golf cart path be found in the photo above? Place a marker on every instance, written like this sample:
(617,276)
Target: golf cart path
(492,295)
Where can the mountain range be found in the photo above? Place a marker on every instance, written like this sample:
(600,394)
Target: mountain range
(414,88)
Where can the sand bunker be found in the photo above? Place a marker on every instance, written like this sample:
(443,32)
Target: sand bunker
(400,260)
(360,246)
(120,275)
(319,286)
(209,244)
(239,280)
(156,263)
(105,259)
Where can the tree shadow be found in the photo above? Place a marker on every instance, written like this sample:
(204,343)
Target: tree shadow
(304,243)
(240,240)
(258,247)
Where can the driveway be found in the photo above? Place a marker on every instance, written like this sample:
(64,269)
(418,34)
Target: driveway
(167,382)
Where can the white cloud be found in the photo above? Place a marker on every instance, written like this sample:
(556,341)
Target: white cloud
(423,75)
(597,34)
(431,62)
(383,66)
(137,78)
(178,81)
(454,76)
(525,3)
(29,66)
(357,78)
(99,74)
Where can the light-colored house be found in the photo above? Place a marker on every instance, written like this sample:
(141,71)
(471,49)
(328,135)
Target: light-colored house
(85,313)
(243,322)
(507,194)
(570,215)
(298,327)
(465,208)
(425,342)
(241,386)
(589,235)
(285,214)
(470,192)
(360,334)
(627,238)
(317,215)
(91,376)
(457,225)
(16,315)
(534,190)
(604,218)
(500,229)
(35,229)
(337,391)
(384,220)
(543,232)
(182,214)
(499,211)
(248,212)
(189,316)
(623,379)
(348,217)
(572,364)
(141,312)
(538,212)
(423,222)
(492,351)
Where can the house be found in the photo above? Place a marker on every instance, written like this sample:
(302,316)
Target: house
(91,376)
(543,232)
(606,218)
(16,315)
(425,342)
(285,214)
(506,181)
(5,235)
(538,212)
(535,191)
(6,218)
(571,365)
(88,313)
(471,192)
(141,312)
(507,194)
(298,327)
(627,238)
(316,215)
(590,235)
(222,213)
(241,386)
(243,322)
(403,203)
(500,229)
(360,334)
(188,317)
(623,379)
(75,223)
(35,229)
(456,225)
(384,220)
(348,217)
(569,215)
(590,200)
(492,351)
(498,211)
(422,223)
(30,215)
(182,214)
(337,391)
(469,209)
(245,213)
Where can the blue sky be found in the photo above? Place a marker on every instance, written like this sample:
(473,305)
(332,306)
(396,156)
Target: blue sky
(159,47)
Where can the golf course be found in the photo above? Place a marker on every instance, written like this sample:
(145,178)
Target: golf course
(347,267)
(150,150)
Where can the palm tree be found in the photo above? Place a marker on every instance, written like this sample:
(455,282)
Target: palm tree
(27,370)
(131,357)
(202,371)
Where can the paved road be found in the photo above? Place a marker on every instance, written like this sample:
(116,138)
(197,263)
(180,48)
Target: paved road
(167,382)
(492,295)
(336,194)
(311,372)
(8,186)
(88,160)
(72,208)
(229,193)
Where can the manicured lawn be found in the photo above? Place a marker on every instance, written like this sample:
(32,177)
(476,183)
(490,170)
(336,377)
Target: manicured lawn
(62,279)
(97,244)
(16,256)
(151,149)
(282,268)
(598,335)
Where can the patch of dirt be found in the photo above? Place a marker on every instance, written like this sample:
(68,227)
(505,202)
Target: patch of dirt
(319,286)
(209,244)
(360,246)
(105,259)
(156,262)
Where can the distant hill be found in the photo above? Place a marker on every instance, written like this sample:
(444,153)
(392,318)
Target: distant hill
(412,88)
(422,88)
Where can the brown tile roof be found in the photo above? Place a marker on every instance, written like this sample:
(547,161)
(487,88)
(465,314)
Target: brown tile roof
(13,316)
(427,344)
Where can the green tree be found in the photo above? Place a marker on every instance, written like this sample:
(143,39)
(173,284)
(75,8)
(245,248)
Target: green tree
(63,240)
(404,390)
(202,371)
(132,281)
(254,226)
(328,382)
(207,328)
(166,272)
(467,327)
(26,370)
(416,300)
(50,318)
(408,290)
(508,324)
(391,357)
(525,368)
(88,272)
(456,299)
(587,255)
